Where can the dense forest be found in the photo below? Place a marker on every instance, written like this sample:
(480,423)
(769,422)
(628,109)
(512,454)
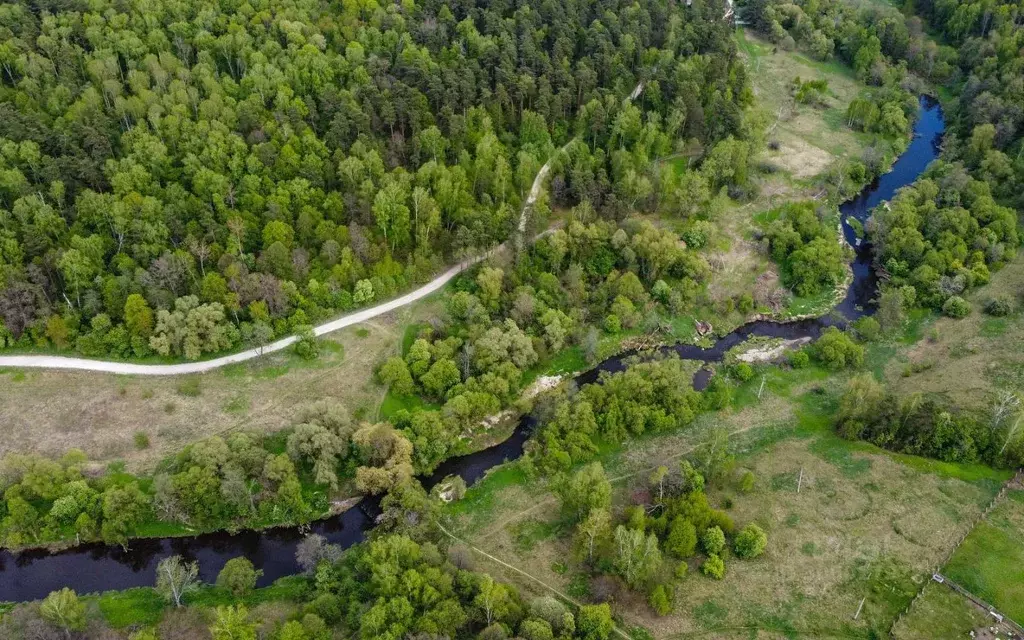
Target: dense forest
(183,178)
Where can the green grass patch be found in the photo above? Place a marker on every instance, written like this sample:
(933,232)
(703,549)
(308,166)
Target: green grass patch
(394,403)
(816,304)
(839,454)
(141,606)
(287,589)
(144,607)
(565,361)
(527,533)
(238,404)
(480,499)
(271,372)
(993,327)
(710,614)
(412,332)
(990,562)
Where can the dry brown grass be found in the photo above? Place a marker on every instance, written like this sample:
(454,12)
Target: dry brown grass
(858,515)
(50,412)
(968,360)
(810,137)
(823,540)
(801,159)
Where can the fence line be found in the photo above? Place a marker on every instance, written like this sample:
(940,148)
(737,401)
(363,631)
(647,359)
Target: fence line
(1017,479)
(938,577)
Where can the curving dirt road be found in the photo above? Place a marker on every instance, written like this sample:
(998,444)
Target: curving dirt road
(127,368)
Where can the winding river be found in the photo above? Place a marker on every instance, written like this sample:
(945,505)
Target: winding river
(97,567)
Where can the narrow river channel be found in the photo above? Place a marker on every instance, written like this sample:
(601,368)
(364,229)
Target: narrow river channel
(97,567)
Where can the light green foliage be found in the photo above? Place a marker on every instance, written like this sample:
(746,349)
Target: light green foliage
(292,630)
(123,509)
(442,376)
(637,557)
(64,610)
(811,92)
(799,359)
(750,542)
(395,374)
(712,540)
(594,532)
(956,307)
(584,491)
(238,576)
(385,455)
(192,329)
(747,481)
(867,328)
(661,600)
(532,629)
(232,623)
(713,460)
(306,347)
(682,538)
(594,622)
(713,567)
(742,371)
(176,578)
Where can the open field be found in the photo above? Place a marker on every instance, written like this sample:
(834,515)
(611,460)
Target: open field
(865,524)
(50,412)
(940,612)
(967,360)
(810,140)
(990,562)
(810,137)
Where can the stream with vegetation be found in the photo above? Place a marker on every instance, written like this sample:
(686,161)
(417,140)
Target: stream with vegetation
(96,567)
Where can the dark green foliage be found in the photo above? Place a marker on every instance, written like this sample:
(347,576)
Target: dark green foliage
(805,247)
(999,306)
(925,427)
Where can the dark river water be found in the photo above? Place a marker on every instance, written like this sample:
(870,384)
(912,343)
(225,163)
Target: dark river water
(97,567)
